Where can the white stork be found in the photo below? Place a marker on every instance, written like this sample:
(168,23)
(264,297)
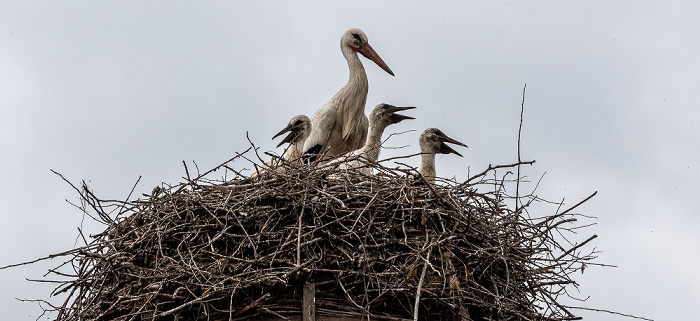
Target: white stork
(381,116)
(299,128)
(340,125)
(432,141)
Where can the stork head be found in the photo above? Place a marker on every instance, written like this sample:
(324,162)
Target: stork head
(356,40)
(299,128)
(386,115)
(433,140)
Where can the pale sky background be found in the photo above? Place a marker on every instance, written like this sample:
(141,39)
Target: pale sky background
(108,92)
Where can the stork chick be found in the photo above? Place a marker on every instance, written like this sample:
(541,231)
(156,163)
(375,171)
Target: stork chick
(340,125)
(298,128)
(382,116)
(432,141)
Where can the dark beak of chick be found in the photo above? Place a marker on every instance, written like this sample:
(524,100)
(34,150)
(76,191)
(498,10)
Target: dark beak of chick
(396,118)
(446,149)
(293,131)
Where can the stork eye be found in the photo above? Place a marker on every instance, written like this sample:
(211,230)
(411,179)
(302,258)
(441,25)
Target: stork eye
(356,36)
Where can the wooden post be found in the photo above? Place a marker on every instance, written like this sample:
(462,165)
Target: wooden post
(308,308)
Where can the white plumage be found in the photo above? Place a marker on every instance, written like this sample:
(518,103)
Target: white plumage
(341,125)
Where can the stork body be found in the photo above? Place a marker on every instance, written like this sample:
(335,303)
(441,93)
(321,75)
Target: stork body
(432,141)
(382,116)
(340,125)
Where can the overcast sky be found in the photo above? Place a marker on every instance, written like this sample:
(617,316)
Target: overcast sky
(110,92)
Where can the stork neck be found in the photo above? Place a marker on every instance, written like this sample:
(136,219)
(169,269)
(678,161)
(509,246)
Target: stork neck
(427,166)
(357,70)
(357,85)
(350,100)
(374,143)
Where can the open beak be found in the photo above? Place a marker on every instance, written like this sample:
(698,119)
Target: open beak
(369,53)
(292,133)
(396,118)
(446,149)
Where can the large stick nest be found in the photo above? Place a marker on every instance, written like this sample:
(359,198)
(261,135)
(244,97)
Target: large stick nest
(385,246)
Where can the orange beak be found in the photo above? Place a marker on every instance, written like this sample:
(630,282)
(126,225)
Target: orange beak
(369,53)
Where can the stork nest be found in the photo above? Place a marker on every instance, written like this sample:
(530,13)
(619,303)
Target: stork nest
(387,246)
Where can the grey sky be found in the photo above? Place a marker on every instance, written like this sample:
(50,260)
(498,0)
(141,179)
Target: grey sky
(108,92)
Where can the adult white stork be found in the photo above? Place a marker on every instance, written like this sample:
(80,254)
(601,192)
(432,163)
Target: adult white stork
(298,128)
(381,116)
(432,141)
(340,125)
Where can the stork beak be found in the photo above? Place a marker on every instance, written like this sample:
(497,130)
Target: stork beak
(396,118)
(446,149)
(289,138)
(369,53)
(452,141)
(394,109)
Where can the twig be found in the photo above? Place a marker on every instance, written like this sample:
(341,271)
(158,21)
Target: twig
(416,305)
(491,168)
(520,129)
(610,312)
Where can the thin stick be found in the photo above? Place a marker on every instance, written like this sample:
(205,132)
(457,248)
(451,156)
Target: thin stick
(520,129)
(416,305)
(303,206)
(491,168)
(611,312)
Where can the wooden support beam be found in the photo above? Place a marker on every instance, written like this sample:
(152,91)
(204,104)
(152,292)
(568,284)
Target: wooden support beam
(309,302)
